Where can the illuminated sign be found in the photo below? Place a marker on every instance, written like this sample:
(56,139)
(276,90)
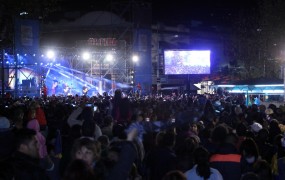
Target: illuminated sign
(102,42)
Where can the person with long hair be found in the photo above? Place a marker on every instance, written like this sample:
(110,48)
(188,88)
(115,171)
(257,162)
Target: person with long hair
(79,169)
(202,169)
(88,150)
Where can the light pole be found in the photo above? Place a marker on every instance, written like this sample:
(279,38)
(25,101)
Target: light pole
(87,56)
(110,60)
(2,74)
(135,59)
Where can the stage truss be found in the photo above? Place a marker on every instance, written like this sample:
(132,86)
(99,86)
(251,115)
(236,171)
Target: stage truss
(99,74)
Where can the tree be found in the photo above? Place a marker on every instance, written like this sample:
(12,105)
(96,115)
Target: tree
(258,37)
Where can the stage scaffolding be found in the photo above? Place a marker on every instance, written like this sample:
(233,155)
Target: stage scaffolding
(69,67)
(98,66)
(121,70)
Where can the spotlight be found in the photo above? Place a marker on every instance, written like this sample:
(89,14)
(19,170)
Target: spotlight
(109,57)
(135,58)
(86,56)
(50,54)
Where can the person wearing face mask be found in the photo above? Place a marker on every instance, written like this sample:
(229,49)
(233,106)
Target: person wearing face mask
(250,155)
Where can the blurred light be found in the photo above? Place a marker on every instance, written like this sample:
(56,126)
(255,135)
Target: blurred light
(50,54)
(274,91)
(109,57)
(226,85)
(135,58)
(23,13)
(86,56)
(266,85)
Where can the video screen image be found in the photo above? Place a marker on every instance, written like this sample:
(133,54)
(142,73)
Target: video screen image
(187,61)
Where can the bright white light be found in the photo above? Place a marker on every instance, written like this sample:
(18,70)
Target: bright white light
(271,85)
(237,91)
(135,58)
(50,54)
(23,13)
(109,57)
(254,92)
(274,91)
(226,85)
(86,56)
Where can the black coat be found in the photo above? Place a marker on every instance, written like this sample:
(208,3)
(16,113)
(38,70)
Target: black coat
(24,167)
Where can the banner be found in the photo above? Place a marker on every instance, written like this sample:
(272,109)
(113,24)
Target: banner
(26,39)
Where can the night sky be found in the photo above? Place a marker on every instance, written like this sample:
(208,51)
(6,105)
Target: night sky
(175,11)
(209,11)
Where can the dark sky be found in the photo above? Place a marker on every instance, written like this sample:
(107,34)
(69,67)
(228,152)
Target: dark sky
(211,11)
(175,11)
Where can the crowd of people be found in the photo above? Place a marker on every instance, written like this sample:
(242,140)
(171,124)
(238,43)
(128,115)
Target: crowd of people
(178,136)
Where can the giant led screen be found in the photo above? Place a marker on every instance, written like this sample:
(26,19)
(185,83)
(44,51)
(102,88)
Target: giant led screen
(187,62)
